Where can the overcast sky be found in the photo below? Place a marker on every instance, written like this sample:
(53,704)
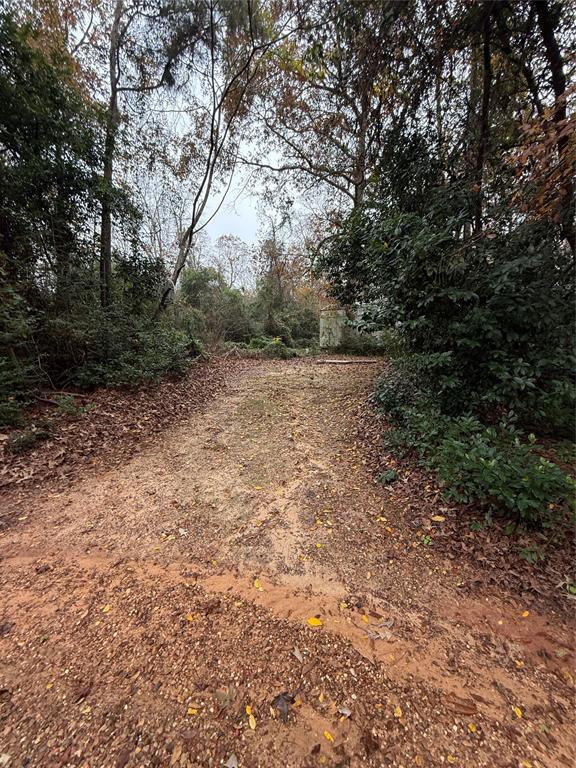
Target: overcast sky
(238,216)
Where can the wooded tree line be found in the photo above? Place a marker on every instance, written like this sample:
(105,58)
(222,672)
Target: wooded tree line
(119,134)
(435,139)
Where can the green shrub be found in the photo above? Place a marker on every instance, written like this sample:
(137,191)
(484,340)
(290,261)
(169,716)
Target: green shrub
(276,349)
(491,317)
(138,354)
(491,465)
(23,440)
(388,476)
(67,404)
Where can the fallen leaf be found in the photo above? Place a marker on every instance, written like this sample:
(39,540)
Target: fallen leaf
(282,703)
(297,654)
(472,727)
(252,722)
(258,585)
(398,712)
(450,759)
(49,685)
(365,618)
(518,663)
(328,736)
(248,709)
(192,711)
(438,518)
(345,712)
(314,621)
(106,608)
(190,617)
(525,614)
(232,761)
(517,711)
(318,546)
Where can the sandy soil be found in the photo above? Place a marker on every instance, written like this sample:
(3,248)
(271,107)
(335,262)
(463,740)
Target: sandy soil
(152,614)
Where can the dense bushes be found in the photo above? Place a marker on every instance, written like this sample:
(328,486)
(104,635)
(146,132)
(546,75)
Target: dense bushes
(53,331)
(485,326)
(216,314)
(496,465)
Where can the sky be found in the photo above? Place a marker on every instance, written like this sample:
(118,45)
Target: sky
(237,216)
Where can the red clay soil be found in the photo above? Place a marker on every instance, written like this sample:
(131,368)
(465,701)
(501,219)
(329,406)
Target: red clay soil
(236,589)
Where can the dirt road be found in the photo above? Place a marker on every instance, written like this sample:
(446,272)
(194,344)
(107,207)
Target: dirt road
(151,615)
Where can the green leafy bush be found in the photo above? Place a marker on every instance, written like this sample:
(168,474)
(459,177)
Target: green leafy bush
(16,373)
(491,465)
(133,354)
(489,320)
(24,440)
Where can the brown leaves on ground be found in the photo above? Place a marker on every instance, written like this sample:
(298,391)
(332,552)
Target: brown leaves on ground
(110,425)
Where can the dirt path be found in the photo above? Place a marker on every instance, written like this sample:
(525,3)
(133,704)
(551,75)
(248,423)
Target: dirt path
(150,616)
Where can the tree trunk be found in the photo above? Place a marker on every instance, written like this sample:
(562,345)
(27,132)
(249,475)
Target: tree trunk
(555,60)
(484,132)
(112,119)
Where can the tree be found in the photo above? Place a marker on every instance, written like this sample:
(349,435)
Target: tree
(146,41)
(238,42)
(49,156)
(334,89)
(231,257)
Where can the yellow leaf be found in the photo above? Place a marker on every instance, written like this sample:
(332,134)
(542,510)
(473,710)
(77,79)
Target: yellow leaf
(258,585)
(318,546)
(252,722)
(248,709)
(418,760)
(192,711)
(438,518)
(518,663)
(190,617)
(567,676)
(517,711)
(313,621)
(526,764)
(321,698)
(366,619)
(257,487)
(398,712)
(450,759)
(525,614)
(472,727)
(106,609)
(328,736)
(49,685)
